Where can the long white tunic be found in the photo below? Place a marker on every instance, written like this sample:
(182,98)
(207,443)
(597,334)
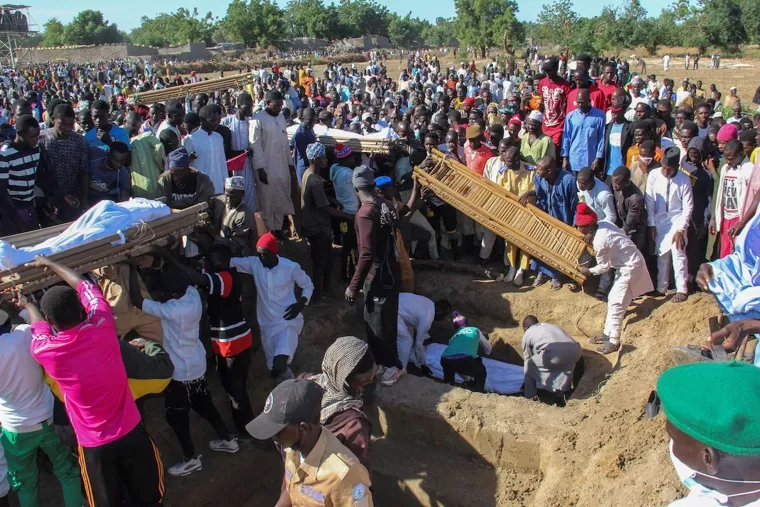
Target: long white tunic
(415,316)
(271,152)
(669,205)
(275,293)
(615,250)
(240,135)
(211,160)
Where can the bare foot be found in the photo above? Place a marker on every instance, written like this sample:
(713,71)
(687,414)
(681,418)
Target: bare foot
(680,297)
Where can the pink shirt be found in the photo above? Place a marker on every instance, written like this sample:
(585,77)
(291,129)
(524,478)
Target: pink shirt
(86,363)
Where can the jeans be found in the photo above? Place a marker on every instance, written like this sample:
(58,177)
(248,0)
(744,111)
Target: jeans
(380,319)
(320,248)
(23,473)
(470,366)
(180,397)
(234,374)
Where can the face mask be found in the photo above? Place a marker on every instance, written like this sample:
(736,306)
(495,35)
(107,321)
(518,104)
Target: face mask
(646,160)
(688,475)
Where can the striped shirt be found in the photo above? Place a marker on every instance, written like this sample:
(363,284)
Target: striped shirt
(230,333)
(18,169)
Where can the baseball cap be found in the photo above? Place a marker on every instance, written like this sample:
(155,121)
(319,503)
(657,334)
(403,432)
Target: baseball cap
(292,402)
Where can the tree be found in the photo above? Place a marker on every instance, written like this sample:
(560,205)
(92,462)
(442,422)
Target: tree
(254,22)
(309,18)
(442,33)
(751,20)
(556,22)
(173,29)
(487,23)
(364,17)
(721,18)
(89,27)
(407,31)
(53,30)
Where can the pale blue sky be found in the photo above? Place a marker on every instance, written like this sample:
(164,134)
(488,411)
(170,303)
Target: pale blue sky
(127,14)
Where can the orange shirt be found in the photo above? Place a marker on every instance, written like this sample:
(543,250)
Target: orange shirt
(633,151)
(476,159)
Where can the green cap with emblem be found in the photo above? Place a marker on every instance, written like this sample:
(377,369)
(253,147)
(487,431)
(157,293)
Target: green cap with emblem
(715,403)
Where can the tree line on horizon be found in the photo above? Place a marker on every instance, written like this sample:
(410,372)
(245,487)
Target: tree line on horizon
(478,24)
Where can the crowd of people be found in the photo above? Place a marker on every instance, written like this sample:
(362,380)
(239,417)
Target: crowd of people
(653,177)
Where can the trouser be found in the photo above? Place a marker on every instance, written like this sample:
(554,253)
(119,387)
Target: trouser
(133,319)
(233,372)
(432,242)
(320,248)
(295,196)
(180,397)
(248,290)
(543,269)
(272,221)
(131,464)
(470,366)
(695,248)
(23,219)
(677,260)
(348,253)
(23,473)
(605,283)
(511,252)
(381,319)
(617,304)
(726,243)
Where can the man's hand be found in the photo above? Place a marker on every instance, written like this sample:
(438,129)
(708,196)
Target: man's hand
(596,166)
(526,198)
(249,154)
(192,155)
(20,301)
(730,335)
(295,309)
(734,231)
(139,344)
(652,235)
(263,177)
(713,230)
(71,201)
(704,275)
(350,295)
(40,261)
(680,241)
(584,270)
(566,163)
(105,137)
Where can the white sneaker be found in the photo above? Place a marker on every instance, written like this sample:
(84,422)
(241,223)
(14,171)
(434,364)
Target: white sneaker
(519,277)
(510,275)
(231,446)
(390,376)
(186,467)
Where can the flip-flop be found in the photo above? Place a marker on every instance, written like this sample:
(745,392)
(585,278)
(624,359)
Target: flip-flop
(652,407)
(556,285)
(598,339)
(608,348)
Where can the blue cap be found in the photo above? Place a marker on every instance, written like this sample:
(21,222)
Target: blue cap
(383,182)
(179,159)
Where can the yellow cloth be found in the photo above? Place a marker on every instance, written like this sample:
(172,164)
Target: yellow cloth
(753,156)
(518,182)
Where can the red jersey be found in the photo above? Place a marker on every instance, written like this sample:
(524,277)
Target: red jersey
(554,94)
(476,159)
(598,99)
(607,90)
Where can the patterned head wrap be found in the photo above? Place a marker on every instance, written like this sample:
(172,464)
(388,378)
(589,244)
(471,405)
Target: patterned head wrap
(340,360)
(234,183)
(315,150)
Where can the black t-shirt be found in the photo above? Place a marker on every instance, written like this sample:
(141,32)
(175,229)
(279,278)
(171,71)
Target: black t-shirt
(375,226)
(187,191)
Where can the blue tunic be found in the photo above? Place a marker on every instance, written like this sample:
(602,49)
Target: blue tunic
(301,139)
(559,199)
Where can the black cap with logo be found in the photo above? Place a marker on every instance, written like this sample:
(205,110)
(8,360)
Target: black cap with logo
(291,402)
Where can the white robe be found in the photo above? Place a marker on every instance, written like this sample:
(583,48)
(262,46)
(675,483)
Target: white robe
(211,160)
(240,130)
(415,316)
(615,250)
(668,212)
(271,152)
(275,290)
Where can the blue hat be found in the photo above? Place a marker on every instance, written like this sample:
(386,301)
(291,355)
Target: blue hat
(383,182)
(315,150)
(179,159)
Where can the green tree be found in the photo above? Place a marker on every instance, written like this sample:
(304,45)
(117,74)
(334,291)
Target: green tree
(89,27)
(309,18)
(442,33)
(722,23)
(556,22)
(405,32)
(363,17)
(487,23)
(254,22)
(53,31)
(173,29)
(751,20)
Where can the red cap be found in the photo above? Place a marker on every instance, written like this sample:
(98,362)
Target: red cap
(584,215)
(269,242)
(515,119)
(469,101)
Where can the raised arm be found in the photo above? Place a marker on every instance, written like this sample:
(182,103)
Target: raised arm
(196,278)
(135,294)
(68,275)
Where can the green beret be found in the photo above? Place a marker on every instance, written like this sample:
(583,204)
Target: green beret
(717,404)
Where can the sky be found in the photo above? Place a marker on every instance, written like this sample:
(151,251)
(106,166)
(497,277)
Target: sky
(127,14)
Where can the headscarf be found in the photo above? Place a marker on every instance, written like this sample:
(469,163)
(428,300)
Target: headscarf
(315,150)
(340,360)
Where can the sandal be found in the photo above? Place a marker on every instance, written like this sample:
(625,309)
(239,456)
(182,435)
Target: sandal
(680,297)
(598,339)
(574,287)
(556,285)
(608,348)
(540,280)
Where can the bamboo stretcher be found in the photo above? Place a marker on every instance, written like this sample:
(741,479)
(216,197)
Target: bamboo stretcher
(533,231)
(368,146)
(236,81)
(103,252)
